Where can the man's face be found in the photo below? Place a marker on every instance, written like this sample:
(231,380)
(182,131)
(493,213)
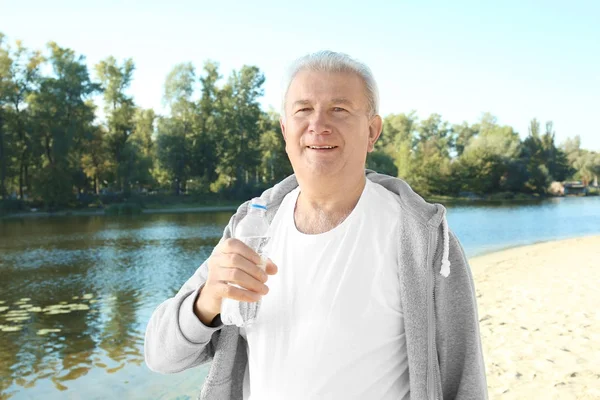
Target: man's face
(327,129)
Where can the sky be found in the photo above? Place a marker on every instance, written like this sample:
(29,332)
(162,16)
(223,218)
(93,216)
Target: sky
(518,60)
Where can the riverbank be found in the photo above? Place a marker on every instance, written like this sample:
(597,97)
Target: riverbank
(232,206)
(101,212)
(539,320)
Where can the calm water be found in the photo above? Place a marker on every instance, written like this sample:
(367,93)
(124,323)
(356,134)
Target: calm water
(76,292)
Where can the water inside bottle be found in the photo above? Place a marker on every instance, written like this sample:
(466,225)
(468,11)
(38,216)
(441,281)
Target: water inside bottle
(258,244)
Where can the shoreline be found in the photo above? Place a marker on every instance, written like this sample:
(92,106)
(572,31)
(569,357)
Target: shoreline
(201,209)
(485,253)
(539,320)
(101,213)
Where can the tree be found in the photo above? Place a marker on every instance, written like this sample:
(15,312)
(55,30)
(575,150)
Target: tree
(120,112)
(179,89)
(438,132)
(545,162)
(533,152)
(463,133)
(5,83)
(397,141)
(430,168)
(95,158)
(382,163)
(489,161)
(21,79)
(172,152)
(61,118)
(211,126)
(556,160)
(144,147)
(275,164)
(239,147)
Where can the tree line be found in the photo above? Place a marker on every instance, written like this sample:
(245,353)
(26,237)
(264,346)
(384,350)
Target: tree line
(216,139)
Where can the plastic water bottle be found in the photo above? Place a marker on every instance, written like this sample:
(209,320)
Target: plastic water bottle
(253,231)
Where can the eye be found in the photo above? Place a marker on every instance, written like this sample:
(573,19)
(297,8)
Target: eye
(338,109)
(303,109)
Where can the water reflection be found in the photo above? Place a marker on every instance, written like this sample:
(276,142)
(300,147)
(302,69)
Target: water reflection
(64,341)
(76,293)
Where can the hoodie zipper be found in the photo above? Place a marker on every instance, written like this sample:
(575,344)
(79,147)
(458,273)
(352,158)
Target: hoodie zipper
(431,378)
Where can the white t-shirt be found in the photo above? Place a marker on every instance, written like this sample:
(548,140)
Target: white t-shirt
(331,326)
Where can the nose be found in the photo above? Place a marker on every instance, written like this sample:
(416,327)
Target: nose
(319,123)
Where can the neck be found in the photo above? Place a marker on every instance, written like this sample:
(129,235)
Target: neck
(325,203)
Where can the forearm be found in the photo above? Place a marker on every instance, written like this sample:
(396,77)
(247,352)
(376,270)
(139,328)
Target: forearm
(176,339)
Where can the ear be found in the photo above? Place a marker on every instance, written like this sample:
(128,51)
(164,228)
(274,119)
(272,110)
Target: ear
(282,125)
(375,127)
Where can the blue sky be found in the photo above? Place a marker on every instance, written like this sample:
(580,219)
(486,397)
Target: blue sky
(515,59)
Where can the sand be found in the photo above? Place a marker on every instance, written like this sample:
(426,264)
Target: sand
(539,311)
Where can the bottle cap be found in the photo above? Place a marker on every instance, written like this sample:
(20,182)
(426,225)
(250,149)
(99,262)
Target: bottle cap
(259,203)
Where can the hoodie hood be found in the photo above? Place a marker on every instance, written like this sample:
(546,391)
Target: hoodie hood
(432,215)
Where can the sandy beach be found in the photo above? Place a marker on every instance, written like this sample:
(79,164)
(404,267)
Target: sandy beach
(540,319)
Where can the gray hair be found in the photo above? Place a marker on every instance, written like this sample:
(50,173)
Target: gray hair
(330,61)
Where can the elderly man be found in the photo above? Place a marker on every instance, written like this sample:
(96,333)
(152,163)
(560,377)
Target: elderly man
(370,295)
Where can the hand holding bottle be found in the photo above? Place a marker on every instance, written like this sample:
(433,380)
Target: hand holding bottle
(232,262)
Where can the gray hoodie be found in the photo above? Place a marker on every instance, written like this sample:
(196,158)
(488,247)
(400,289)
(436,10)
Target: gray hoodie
(445,358)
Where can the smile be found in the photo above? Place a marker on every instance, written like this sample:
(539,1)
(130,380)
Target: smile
(321,147)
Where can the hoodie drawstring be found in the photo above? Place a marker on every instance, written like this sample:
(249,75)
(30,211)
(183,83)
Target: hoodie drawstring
(445,270)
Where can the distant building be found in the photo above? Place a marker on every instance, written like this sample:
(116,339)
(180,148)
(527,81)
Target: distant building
(574,188)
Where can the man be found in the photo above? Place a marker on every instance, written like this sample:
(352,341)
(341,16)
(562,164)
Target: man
(370,295)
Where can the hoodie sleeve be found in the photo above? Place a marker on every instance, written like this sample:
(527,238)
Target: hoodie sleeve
(458,339)
(175,338)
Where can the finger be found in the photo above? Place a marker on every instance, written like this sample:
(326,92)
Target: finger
(241,278)
(271,268)
(234,260)
(232,245)
(232,292)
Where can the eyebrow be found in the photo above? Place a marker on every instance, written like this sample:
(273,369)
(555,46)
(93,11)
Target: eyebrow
(300,103)
(342,100)
(339,100)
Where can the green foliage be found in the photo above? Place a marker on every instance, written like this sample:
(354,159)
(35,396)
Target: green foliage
(173,151)
(585,164)
(238,149)
(275,165)
(215,140)
(400,130)
(120,111)
(436,133)
(179,85)
(487,163)
(545,162)
(382,163)
(463,134)
(484,158)
(50,184)
(430,169)
(19,77)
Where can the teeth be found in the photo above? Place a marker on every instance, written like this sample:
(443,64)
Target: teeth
(321,147)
